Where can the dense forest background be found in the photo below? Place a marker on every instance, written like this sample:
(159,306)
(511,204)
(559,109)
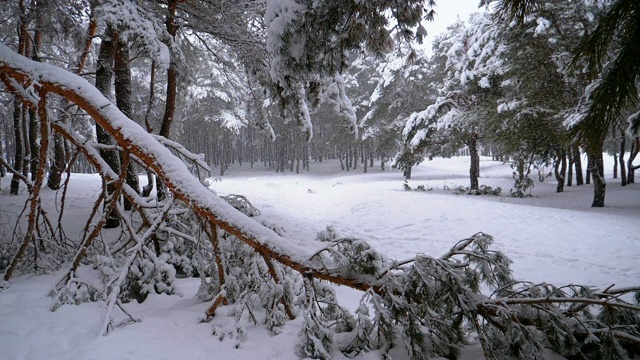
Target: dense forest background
(491,88)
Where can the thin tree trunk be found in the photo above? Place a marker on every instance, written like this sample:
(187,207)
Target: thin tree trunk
(623,167)
(23,49)
(365,164)
(26,160)
(597,173)
(146,190)
(34,130)
(474,168)
(104,76)
(560,170)
(570,168)
(17,143)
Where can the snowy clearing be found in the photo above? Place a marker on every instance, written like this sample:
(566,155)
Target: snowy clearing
(557,238)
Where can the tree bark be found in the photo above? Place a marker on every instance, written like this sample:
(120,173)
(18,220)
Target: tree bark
(146,190)
(123,101)
(474,168)
(104,76)
(34,124)
(18,159)
(22,131)
(623,168)
(597,173)
(172,88)
(577,161)
(570,167)
(560,170)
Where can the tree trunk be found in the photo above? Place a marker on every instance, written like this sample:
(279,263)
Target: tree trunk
(407,172)
(597,173)
(623,168)
(577,161)
(26,160)
(104,75)
(172,88)
(570,168)
(588,172)
(34,124)
(123,101)
(18,159)
(560,170)
(635,148)
(146,190)
(23,49)
(474,168)
(364,158)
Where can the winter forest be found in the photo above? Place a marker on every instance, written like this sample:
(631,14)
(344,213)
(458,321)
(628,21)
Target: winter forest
(266,179)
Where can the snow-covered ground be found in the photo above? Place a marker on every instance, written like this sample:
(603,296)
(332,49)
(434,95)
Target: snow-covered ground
(557,238)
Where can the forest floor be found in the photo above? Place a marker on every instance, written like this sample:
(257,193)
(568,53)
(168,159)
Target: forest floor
(555,238)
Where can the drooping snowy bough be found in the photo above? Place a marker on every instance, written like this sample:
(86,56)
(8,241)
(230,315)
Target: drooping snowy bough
(431,306)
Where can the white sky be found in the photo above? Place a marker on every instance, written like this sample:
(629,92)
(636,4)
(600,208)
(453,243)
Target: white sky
(447,13)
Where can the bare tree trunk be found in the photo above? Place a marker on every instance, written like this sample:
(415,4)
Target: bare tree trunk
(623,168)
(560,170)
(474,168)
(122,74)
(577,161)
(18,159)
(104,76)
(172,88)
(23,49)
(146,190)
(34,130)
(24,124)
(597,173)
(570,167)
(18,109)
(364,158)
